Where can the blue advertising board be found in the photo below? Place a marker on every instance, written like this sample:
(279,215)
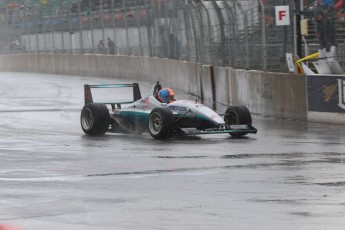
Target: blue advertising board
(326,93)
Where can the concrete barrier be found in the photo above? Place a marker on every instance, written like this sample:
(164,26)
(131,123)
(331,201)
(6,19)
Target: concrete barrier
(269,94)
(183,75)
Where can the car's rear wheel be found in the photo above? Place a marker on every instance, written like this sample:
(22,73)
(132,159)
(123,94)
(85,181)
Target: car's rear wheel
(161,123)
(94,119)
(237,115)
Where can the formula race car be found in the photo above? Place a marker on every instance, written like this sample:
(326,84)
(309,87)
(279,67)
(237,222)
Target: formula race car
(161,120)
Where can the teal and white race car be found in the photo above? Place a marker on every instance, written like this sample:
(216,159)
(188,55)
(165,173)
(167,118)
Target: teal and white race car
(161,120)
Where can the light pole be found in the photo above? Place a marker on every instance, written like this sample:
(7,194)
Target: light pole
(126,27)
(102,22)
(91,25)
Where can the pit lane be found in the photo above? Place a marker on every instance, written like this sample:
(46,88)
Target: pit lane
(288,176)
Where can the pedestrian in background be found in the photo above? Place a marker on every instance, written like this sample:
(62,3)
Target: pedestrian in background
(111,46)
(326,35)
(101,46)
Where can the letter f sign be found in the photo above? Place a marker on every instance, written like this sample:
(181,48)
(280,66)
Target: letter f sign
(282,15)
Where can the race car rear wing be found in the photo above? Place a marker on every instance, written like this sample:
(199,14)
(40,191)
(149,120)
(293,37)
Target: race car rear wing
(88,95)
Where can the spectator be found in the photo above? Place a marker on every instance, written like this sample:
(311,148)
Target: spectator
(74,9)
(326,34)
(101,46)
(327,7)
(111,46)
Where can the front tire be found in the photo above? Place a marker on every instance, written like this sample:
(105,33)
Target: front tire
(161,123)
(237,115)
(94,119)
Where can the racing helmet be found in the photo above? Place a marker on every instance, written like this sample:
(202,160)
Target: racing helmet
(166,95)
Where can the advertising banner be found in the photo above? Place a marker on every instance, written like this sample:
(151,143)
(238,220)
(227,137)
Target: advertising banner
(326,93)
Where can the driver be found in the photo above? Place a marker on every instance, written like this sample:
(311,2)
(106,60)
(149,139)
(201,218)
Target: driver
(166,95)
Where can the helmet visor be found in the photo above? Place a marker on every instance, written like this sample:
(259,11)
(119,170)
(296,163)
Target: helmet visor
(171,98)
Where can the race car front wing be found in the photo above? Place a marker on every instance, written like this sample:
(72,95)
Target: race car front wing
(232,129)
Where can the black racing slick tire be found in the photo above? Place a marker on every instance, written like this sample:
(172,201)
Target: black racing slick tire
(161,123)
(237,115)
(94,119)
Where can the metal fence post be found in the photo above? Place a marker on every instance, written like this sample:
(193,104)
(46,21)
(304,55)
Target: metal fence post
(263,37)
(126,27)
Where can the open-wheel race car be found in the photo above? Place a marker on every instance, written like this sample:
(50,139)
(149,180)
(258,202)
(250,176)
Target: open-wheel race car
(161,120)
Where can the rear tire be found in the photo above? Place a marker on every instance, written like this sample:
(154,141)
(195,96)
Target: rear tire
(237,115)
(94,119)
(161,123)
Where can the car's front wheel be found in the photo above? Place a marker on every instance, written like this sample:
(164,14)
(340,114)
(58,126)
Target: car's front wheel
(237,115)
(161,123)
(94,119)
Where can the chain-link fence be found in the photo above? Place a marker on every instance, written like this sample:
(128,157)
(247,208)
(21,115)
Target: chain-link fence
(234,33)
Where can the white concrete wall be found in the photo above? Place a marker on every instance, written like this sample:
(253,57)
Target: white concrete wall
(269,94)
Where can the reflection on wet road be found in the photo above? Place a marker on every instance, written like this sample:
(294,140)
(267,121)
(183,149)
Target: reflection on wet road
(288,176)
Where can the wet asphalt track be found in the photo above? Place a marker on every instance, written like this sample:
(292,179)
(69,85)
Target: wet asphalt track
(290,175)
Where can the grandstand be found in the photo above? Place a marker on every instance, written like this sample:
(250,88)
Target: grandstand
(34,8)
(19,17)
(32,15)
(51,8)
